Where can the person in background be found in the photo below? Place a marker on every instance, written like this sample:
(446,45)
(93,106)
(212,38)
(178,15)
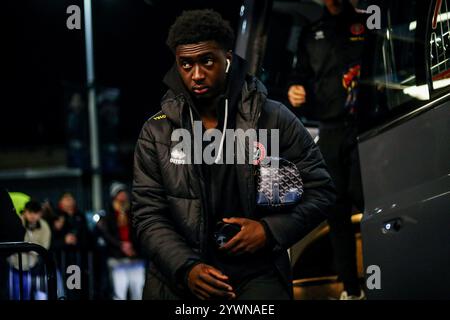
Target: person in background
(38,232)
(69,226)
(327,78)
(70,240)
(127,269)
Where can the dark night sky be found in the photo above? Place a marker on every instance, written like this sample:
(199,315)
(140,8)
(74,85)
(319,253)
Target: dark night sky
(43,59)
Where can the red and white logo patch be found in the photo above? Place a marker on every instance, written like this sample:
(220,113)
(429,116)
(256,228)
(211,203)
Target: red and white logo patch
(259,153)
(357,29)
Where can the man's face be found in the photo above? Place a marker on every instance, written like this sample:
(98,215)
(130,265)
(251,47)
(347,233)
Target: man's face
(32,217)
(121,202)
(68,204)
(122,197)
(202,67)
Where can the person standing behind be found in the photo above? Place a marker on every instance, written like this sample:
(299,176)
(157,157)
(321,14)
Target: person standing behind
(38,232)
(70,227)
(327,78)
(127,270)
(70,240)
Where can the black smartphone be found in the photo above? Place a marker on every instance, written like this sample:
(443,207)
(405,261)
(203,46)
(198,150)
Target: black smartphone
(225,232)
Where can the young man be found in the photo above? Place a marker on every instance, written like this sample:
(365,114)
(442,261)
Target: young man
(178,206)
(327,76)
(38,232)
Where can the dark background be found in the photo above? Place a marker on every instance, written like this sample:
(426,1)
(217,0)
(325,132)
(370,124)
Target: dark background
(44,60)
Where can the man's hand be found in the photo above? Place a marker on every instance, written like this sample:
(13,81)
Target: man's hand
(250,239)
(297,96)
(209,283)
(70,239)
(127,249)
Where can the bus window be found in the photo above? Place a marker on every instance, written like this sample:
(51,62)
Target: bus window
(395,63)
(440,45)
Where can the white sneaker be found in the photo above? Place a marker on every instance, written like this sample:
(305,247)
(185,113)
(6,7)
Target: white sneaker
(345,296)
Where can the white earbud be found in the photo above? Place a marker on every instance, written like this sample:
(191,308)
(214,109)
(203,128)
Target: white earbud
(228,66)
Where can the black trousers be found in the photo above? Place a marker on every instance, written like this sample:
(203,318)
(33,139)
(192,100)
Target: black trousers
(338,144)
(267,286)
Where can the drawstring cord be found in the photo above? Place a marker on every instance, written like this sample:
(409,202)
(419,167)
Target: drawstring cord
(222,140)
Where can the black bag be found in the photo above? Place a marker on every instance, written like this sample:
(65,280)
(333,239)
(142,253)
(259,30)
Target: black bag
(279,185)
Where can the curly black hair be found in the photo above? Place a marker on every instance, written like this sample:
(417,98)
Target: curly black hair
(195,26)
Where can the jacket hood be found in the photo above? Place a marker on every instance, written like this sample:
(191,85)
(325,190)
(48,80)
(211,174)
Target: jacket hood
(178,98)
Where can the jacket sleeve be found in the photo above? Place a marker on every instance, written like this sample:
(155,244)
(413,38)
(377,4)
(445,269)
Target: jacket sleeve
(159,239)
(297,146)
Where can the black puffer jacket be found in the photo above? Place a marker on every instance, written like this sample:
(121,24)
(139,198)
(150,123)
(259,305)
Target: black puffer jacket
(168,200)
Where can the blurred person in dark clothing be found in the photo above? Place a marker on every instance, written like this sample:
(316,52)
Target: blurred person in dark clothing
(11,230)
(71,238)
(69,227)
(327,79)
(127,269)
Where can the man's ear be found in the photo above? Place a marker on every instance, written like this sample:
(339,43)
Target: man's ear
(229,55)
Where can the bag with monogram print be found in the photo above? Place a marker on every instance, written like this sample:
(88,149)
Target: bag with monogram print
(279,185)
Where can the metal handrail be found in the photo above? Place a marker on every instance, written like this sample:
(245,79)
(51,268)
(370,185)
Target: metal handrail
(9,248)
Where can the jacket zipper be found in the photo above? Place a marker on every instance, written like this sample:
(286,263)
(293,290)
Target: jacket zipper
(201,181)
(251,193)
